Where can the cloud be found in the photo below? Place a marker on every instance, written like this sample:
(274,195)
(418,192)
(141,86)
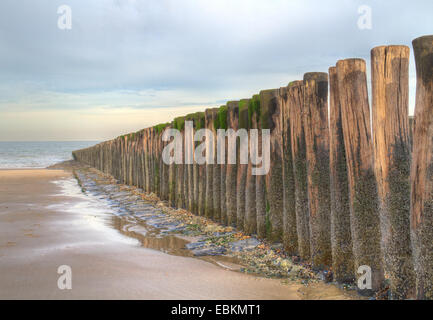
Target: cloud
(156,54)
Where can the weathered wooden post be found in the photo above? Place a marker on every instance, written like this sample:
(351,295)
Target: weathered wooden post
(250,189)
(210,116)
(146,160)
(216,173)
(231,169)
(221,123)
(189,161)
(343,265)
(299,158)
(202,178)
(179,124)
(128,160)
(137,160)
(133,160)
(137,164)
(242,167)
(164,168)
(155,172)
(198,125)
(290,236)
(124,158)
(261,201)
(365,222)
(156,154)
(158,161)
(422,169)
(391,137)
(151,160)
(271,118)
(166,175)
(317,142)
(185,168)
(172,177)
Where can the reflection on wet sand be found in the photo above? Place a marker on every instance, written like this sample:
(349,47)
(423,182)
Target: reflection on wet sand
(150,238)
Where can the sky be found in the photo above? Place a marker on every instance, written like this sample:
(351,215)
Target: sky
(125,65)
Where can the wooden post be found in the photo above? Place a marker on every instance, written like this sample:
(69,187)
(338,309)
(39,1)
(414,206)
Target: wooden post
(390,112)
(185,171)
(151,160)
(231,169)
(250,189)
(122,158)
(197,174)
(172,180)
(316,130)
(271,118)
(137,154)
(299,158)
(210,116)
(189,162)
(290,236)
(166,169)
(365,222)
(343,265)
(216,173)
(422,169)
(179,124)
(242,168)
(146,159)
(157,164)
(202,178)
(261,203)
(221,123)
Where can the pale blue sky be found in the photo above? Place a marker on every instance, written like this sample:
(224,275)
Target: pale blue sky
(126,65)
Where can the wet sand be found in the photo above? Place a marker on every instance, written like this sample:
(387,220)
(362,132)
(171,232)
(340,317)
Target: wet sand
(36,238)
(42,228)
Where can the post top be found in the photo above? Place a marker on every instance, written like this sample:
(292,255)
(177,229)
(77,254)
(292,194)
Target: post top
(316,76)
(295,83)
(352,64)
(424,40)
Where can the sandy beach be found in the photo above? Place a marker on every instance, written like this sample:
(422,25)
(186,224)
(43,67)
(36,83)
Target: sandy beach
(42,229)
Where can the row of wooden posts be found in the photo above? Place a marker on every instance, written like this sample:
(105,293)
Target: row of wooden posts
(342,191)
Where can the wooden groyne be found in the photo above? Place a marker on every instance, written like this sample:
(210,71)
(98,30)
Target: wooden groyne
(343,191)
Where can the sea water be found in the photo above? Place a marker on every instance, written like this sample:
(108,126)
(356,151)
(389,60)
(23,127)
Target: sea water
(41,154)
